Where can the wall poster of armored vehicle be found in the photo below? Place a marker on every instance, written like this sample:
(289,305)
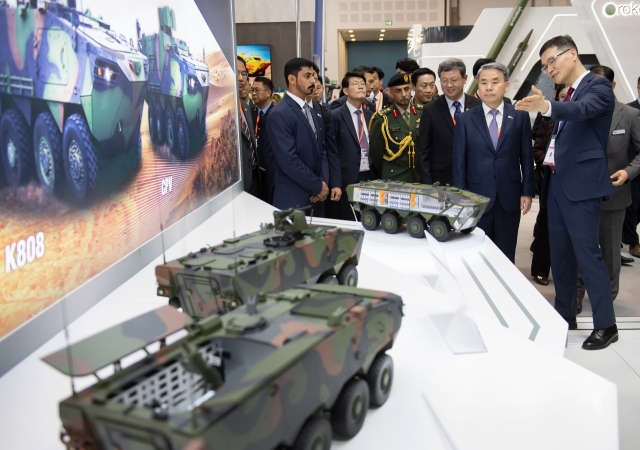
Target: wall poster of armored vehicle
(287,369)
(438,209)
(82,185)
(178,88)
(281,255)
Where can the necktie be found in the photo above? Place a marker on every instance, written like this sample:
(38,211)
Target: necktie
(307,112)
(493,128)
(247,133)
(407,117)
(457,105)
(570,92)
(362,136)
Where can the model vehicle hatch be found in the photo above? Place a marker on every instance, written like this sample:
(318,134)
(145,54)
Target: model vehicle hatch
(111,345)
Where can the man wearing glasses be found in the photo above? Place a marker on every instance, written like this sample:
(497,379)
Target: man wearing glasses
(439,120)
(250,163)
(262,95)
(576,181)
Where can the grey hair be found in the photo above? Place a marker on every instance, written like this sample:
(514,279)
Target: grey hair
(495,65)
(452,64)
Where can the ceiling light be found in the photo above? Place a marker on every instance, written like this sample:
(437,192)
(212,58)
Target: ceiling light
(381,31)
(381,34)
(381,39)
(351,35)
(353,39)
(350,31)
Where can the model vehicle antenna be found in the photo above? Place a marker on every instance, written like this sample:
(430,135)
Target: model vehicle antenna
(311,219)
(164,259)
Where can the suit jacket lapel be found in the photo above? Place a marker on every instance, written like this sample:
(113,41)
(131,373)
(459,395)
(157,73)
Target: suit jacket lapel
(480,121)
(318,120)
(617,116)
(443,106)
(507,121)
(346,116)
(298,111)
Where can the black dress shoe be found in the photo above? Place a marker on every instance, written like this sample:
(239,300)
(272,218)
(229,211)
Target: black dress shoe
(544,281)
(624,260)
(600,339)
(573,324)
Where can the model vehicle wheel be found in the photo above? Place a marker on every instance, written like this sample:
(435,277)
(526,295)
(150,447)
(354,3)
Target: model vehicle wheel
(80,160)
(153,131)
(159,126)
(350,409)
(328,279)
(170,128)
(468,230)
(16,147)
(183,140)
(137,161)
(439,230)
(47,146)
(416,226)
(380,378)
(314,435)
(348,275)
(370,219)
(390,222)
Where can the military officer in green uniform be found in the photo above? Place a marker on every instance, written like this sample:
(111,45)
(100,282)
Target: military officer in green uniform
(393,134)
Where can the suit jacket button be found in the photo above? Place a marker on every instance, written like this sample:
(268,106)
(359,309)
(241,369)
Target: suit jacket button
(391,170)
(496,157)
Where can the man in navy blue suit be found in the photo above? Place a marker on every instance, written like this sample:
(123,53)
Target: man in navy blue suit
(492,156)
(576,181)
(351,123)
(297,137)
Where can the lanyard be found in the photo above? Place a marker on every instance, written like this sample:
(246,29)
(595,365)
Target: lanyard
(379,102)
(257,123)
(362,127)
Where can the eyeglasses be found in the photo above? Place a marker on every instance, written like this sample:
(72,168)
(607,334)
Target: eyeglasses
(357,84)
(453,81)
(253,90)
(552,61)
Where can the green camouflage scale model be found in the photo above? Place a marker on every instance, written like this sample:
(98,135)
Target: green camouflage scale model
(279,256)
(286,369)
(178,88)
(71,91)
(438,209)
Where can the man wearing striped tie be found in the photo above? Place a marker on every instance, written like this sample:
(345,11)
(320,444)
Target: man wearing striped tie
(493,157)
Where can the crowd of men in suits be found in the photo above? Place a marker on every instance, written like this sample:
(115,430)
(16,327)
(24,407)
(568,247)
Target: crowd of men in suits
(302,152)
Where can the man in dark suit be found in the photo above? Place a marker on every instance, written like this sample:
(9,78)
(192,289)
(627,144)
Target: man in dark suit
(624,134)
(424,83)
(435,149)
(350,123)
(632,214)
(492,156)
(375,77)
(476,68)
(262,95)
(249,156)
(576,181)
(297,136)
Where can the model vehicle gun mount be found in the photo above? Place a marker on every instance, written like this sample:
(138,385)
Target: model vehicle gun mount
(438,209)
(267,374)
(71,95)
(279,256)
(178,88)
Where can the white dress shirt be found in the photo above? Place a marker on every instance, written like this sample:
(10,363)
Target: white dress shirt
(358,122)
(575,88)
(298,100)
(452,109)
(489,116)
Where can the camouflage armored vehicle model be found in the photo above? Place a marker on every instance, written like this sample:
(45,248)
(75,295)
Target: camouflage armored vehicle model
(438,209)
(71,94)
(286,369)
(279,256)
(178,88)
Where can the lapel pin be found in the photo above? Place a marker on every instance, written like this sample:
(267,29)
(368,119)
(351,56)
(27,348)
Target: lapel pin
(318,115)
(510,117)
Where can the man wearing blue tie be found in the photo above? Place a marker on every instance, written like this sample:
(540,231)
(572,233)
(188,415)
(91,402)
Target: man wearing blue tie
(492,156)
(576,181)
(297,137)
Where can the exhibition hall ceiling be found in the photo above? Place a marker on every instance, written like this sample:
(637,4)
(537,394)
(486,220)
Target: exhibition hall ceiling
(396,34)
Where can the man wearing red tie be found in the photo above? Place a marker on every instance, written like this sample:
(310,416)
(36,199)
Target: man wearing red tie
(576,181)
(492,156)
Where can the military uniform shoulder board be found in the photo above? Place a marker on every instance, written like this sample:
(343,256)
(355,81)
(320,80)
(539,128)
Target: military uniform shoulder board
(418,106)
(386,110)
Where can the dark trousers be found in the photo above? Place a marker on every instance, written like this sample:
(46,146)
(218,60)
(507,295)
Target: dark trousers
(342,208)
(573,237)
(631,219)
(502,228)
(610,235)
(541,261)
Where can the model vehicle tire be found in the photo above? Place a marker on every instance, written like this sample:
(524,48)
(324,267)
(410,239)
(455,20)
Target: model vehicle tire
(439,230)
(390,222)
(182,137)
(170,129)
(350,409)
(80,160)
(380,378)
(370,219)
(47,147)
(17,151)
(137,162)
(468,230)
(348,275)
(153,130)
(416,226)
(314,435)
(158,117)
(328,279)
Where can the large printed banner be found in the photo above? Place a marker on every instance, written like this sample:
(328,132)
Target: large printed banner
(117,118)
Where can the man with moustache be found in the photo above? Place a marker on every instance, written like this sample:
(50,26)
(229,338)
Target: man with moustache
(393,134)
(424,82)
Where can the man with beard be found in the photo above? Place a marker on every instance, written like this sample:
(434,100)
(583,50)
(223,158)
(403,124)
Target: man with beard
(393,134)
(297,136)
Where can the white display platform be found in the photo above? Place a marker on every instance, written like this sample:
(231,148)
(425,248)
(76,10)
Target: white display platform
(513,392)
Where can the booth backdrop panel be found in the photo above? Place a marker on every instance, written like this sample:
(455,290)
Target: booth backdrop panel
(382,54)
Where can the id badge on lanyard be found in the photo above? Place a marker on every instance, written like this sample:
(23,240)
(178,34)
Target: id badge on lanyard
(550,157)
